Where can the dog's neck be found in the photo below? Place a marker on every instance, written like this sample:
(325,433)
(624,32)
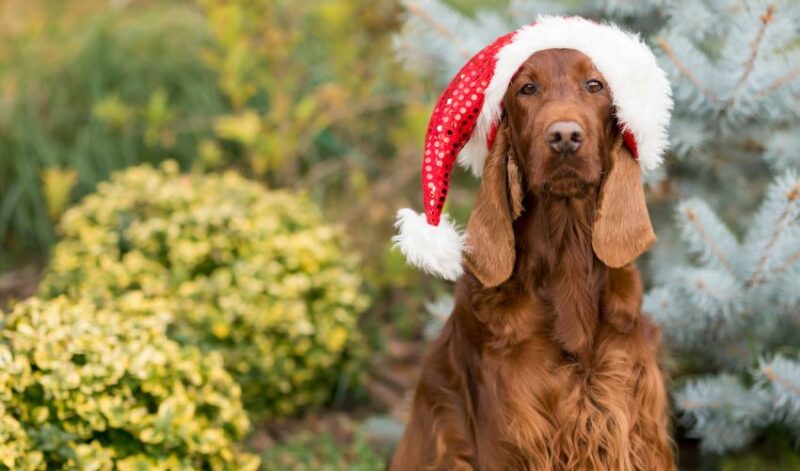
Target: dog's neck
(558,264)
(552,228)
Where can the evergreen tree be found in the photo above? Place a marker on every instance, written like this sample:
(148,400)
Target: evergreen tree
(729,306)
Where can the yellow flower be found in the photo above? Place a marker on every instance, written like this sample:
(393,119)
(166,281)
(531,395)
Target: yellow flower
(336,338)
(221,330)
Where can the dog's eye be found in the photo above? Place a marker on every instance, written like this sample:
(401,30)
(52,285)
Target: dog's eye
(593,86)
(529,89)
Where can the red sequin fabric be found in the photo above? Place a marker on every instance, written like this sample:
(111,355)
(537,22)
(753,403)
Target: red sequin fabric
(452,124)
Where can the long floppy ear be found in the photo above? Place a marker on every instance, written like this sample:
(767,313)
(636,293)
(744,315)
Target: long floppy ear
(490,251)
(622,230)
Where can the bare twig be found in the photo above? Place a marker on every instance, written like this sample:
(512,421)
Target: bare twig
(667,48)
(375,104)
(321,171)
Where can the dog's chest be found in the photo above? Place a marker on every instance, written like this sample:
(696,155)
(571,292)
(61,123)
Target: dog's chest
(544,404)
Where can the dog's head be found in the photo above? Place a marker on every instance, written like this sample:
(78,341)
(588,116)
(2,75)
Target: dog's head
(559,123)
(557,139)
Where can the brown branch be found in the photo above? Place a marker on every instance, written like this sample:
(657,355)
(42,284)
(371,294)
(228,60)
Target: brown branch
(440,28)
(780,83)
(371,106)
(667,48)
(758,277)
(383,190)
(689,405)
(791,260)
(321,171)
(766,18)
(773,377)
(692,216)
(705,287)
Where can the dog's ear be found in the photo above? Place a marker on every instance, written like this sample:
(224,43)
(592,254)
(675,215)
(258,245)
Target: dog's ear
(622,229)
(490,251)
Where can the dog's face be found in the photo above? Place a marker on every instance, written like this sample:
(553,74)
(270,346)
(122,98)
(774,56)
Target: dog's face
(559,114)
(557,139)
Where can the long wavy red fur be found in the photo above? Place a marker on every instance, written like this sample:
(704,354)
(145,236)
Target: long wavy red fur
(553,369)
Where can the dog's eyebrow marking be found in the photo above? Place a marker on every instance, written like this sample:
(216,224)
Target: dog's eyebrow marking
(528,69)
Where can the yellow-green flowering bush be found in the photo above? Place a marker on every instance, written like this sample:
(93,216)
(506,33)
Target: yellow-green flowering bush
(89,388)
(254,274)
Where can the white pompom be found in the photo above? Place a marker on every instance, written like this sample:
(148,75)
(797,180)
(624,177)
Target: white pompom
(434,249)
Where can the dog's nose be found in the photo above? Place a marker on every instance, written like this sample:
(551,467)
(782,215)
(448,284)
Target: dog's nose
(564,136)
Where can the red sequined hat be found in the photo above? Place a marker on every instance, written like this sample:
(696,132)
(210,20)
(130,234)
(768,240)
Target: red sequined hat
(466,117)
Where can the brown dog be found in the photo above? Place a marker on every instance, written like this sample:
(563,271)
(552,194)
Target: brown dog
(546,362)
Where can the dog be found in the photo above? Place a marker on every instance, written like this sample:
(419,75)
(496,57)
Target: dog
(547,362)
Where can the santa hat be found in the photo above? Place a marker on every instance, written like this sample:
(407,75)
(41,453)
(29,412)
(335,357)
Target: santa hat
(466,117)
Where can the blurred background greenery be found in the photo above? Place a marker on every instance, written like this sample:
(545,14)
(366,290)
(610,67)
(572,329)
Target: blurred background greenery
(300,96)
(222,176)
(304,96)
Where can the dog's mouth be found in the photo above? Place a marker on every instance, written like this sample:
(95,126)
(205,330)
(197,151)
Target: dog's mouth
(566,182)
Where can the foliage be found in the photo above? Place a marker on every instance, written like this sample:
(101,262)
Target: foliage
(88,89)
(87,388)
(319,104)
(302,95)
(733,311)
(255,275)
(307,83)
(322,453)
(777,456)
(730,311)
(742,296)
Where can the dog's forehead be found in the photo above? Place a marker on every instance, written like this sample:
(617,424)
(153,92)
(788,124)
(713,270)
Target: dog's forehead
(559,61)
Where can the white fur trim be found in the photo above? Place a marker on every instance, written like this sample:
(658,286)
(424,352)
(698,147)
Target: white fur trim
(434,249)
(474,153)
(641,91)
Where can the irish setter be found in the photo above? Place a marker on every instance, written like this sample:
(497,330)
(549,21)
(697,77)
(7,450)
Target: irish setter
(546,362)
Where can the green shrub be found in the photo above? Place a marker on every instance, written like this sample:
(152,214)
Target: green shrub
(90,89)
(253,274)
(87,388)
(321,452)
